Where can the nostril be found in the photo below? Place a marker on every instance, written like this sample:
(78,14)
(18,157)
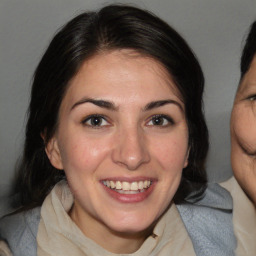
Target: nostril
(131,152)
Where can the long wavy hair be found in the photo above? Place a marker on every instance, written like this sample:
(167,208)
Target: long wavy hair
(112,27)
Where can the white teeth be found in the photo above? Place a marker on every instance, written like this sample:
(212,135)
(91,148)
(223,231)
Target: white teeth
(127,186)
(141,185)
(128,192)
(134,186)
(112,184)
(118,185)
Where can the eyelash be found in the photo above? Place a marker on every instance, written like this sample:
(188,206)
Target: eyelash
(90,118)
(163,118)
(252,97)
(169,120)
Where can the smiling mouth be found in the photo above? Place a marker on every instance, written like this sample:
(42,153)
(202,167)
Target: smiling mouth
(124,187)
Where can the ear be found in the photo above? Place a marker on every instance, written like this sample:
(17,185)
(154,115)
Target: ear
(53,153)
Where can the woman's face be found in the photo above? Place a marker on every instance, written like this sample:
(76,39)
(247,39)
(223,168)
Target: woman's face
(243,133)
(122,140)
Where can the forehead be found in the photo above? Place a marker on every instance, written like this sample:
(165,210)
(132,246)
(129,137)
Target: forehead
(108,72)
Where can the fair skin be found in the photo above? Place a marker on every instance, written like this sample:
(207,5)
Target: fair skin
(243,133)
(122,140)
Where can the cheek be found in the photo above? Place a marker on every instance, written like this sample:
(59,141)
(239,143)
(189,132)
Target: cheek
(244,127)
(171,152)
(80,154)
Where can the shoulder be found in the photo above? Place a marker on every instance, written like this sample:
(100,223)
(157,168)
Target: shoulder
(20,230)
(231,185)
(244,220)
(209,222)
(4,249)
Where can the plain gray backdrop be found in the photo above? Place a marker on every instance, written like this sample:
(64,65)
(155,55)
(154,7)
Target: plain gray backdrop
(215,29)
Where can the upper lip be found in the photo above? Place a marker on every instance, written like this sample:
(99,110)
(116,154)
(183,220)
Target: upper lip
(129,179)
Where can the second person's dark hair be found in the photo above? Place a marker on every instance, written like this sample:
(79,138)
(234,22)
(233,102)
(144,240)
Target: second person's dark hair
(249,50)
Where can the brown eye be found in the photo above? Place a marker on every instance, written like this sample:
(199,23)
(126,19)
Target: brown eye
(95,121)
(160,120)
(252,98)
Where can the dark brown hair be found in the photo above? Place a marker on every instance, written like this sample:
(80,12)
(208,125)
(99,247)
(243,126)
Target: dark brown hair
(249,50)
(112,27)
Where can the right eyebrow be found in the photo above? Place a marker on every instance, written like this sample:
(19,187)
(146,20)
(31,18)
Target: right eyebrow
(100,103)
(160,103)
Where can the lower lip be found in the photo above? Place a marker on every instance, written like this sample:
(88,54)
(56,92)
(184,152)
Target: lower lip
(130,198)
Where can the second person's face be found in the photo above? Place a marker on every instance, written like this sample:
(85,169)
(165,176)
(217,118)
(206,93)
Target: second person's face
(243,133)
(122,140)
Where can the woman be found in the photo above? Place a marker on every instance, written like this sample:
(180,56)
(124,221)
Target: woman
(243,122)
(115,138)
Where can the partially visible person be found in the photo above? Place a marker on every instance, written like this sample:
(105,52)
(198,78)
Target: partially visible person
(243,152)
(4,249)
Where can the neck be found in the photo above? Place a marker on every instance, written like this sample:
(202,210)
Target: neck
(112,241)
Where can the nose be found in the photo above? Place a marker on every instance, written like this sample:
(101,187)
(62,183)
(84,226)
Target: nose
(131,149)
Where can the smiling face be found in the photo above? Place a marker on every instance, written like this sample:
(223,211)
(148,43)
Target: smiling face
(243,133)
(122,140)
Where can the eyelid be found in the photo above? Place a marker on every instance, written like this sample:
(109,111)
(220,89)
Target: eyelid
(86,119)
(251,97)
(168,118)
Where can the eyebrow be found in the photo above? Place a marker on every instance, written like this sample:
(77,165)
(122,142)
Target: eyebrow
(111,106)
(160,103)
(100,103)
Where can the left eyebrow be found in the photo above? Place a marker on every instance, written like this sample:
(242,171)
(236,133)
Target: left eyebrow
(100,103)
(160,103)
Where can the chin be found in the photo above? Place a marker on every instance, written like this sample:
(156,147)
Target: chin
(131,225)
(250,190)
(248,185)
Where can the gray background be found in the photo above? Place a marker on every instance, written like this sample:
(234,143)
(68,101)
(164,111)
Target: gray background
(214,29)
